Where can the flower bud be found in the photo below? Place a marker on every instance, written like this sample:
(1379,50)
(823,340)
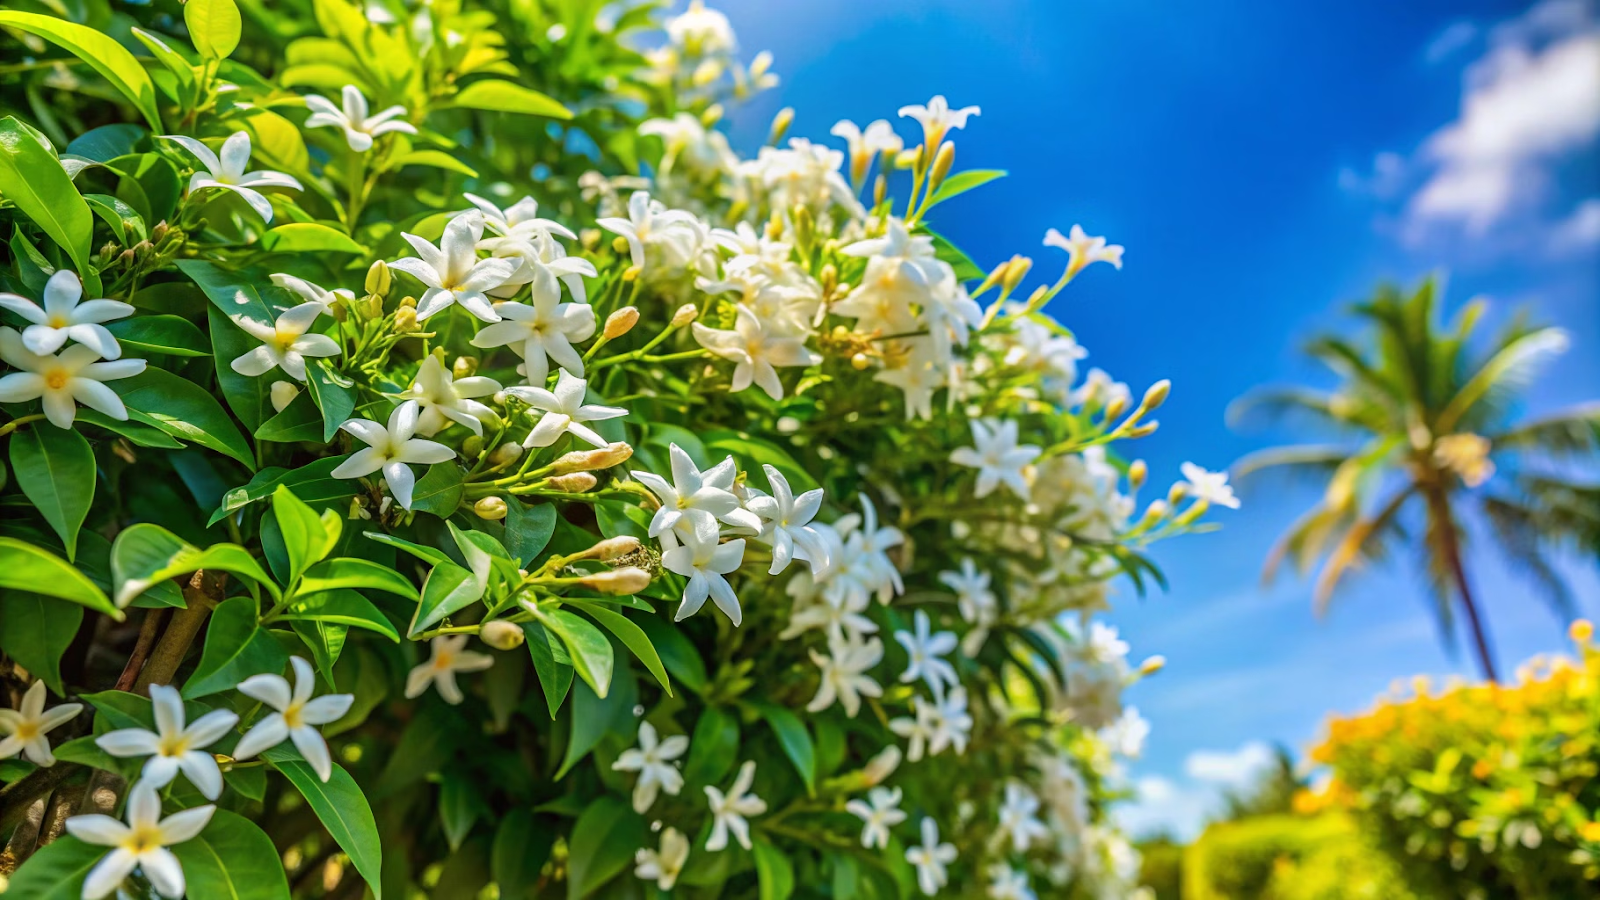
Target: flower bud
(590,238)
(621,322)
(860,361)
(1177,492)
(408,302)
(502,635)
(472,447)
(780,125)
(685,314)
(1581,631)
(491,508)
(712,115)
(1144,430)
(1152,665)
(576,483)
(405,320)
(372,306)
(612,548)
(590,460)
(1116,407)
(626,580)
(880,767)
(880,189)
(1038,297)
(619,244)
(464,366)
(907,159)
(159,232)
(1016,270)
(379,279)
(283,393)
(1137,473)
(506,454)
(1156,395)
(941,165)
(829,279)
(631,274)
(1155,512)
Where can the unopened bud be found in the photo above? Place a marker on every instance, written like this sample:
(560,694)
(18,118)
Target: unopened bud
(408,301)
(1117,406)
(1144,430)
(626,580)
(880,767)
(829,279)
(464,366)
(159,232)
(590,238)
(378,279)
(1016,270)
(1177,492)
(880,189)
(780,125)
(339,309)
(491,508)
(860,361)
(502,635)
(631,274)
(590,460)
(941,165)
(712,115)
(619,244)
(1137,473)
(126,256)
(283,394)
(907,159)
(621,322)
(506,454)
(373,307)
(1155,512)
(1038,297)
(472,447)
(686,313)
(612,548)
(576,483)
(405,320)
(1153,665)
(1156,395)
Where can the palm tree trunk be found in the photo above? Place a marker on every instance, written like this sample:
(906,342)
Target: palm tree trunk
(1451,545)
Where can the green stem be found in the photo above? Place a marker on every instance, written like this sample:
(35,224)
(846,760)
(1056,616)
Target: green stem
(18,422)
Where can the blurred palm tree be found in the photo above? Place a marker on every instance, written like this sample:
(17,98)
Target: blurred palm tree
(1423,423)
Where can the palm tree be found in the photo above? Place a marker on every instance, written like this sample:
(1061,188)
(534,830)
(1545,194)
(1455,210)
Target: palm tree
(1421,423)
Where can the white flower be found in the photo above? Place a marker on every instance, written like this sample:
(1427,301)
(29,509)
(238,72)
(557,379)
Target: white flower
(937,118)
(312,293)
(564,412)
(695,499)
(653,761)
(864,145)
(359,128)
(452,271)
(756,350)
(1103,646)
(844,677)
(651,222)
(997,457)
(917,729)
(447,658)
(685,139)
(62,317)
(917,376)
(390,449)
(541,331)
(702,31)
(172,747)
(1212,487)
(285,343)
(1083,249)
(951,723)
(520,220)
(787,523)
(973,596)
(63,381)
(704,562)
(1007,883)
(445,399)
(878,813)
(1019,817)
(25,727)
(226,170)
(140,844)
(295,716)
(931,857)
(665,865)
(925,650)
(729,810)
(1126,736)
(282,393)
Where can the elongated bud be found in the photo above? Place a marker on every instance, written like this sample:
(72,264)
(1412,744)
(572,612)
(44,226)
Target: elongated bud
(1156,395)
(379,279)
(626,580)
(405,320)
(576,483)
(1117,406)
(1155,512)
(1177,492)
(1037,298)
(472,447)
(590,460)
(941,165)
(1137,473)
(685,314)
(631,274)
(712,115)
(829,279)
(1016,270)
(908,159)
(621,322)
(159,232)
(372,306)
(880,189)
(1152,665)
(502,635)
(613,548)
(619,244)
(1144,430)
(408,302)
(283,393)
(491,508)
(464,366)
(506,454)
(780,125)
(880,767)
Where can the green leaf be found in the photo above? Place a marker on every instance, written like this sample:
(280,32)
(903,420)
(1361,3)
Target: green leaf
(308,237)
(755,452)
(965,268)
(146,553)
(303,534)
(325,640)
(137,433)
(171,335)
(175,63)
(35,630)
(184,410)
(342,808)
(551,662)
(347,572)
(235,649)
(774,872)
(632,637)
(521,846)
(961,182)
(528,529)
(437,159)
(591,653)
(32,178)
(250,398)
(121,217)
(431,555)
(299,421)
(123,709)
(85,752)
(677,652)
(25,567)
(460,807)
(795,740)
(214,27)
(334,394)
(595,717)
(602,844)
(102,53)
(713,749)
(504,96)
(56,871)
(342,607)
(448,589)
(232,858)
(55,469)
(439,491)
(312,483)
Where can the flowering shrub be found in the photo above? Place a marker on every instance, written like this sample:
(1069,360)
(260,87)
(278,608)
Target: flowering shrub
(1485,790)
(626,516)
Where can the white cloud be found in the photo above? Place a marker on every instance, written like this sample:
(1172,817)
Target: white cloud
(1234,769)
(1455,36)
(1181,809)
(1384,182)
(1578,231)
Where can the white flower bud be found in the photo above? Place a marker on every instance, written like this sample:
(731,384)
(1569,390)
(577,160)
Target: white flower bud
(626,580)
(576,483)
(880,767)
(491,508)
(506,454)
(1156,395)
(283,393)
(685,314)
(621,322)
(502,635)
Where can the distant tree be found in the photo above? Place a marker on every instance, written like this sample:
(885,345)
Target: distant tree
(1272,792)
(1421,423)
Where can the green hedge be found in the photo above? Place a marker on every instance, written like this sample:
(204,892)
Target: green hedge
(1289,858)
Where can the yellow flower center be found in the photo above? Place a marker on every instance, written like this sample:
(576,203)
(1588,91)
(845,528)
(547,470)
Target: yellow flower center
(27,730)
(174,746)
(143,839)
(58,321)
(291,716)
(56,379)
(443,661)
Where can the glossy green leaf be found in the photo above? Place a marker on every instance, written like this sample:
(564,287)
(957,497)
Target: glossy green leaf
(961,182)
(235,649)
(633,638)
(56,871)
(437,159)
(137,433)
(299,421)
(326,641)
(184,410)
(146,553)
(551,662)
(171,335)
(55,469)
(602,844)
(795,740)
(774,872)
(25,567)
(591,653)
(448,589)
(713,749)
(504,96)
(308,237)
(343,809)
(175,63)
(439,491)
(250,398)
(214,26)
(312,483)
(232,858)
(678,653)
(124,221)
(528,529)
(363,574)
(303,534)
(333,393)
(35,630)
(595,717)
(430,555)
(32,178)
(342,607)
(101,52)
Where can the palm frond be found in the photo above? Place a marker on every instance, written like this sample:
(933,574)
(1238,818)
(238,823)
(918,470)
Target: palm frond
(1277,404)
(1362,542)
(1522,538)
(1312,459)
(1510,368)
(1570,432)
(1303,541)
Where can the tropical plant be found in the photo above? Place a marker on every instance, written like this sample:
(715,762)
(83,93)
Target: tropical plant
(1426,443)
(446,359)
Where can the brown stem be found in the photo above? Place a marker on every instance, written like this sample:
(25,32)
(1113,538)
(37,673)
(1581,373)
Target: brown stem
(1450,545)
(202,592)
(141,649)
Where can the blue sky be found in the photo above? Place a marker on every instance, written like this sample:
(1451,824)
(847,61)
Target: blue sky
(1265,163)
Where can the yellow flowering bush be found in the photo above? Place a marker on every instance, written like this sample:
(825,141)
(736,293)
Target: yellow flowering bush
(1486,790)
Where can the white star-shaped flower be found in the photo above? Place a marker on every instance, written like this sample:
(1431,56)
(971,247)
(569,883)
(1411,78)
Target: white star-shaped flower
(937,118)
(1006,883)
(285,343)
(26,727)
(652,759)
(878,813)
(925,651)
(452,271)
(64,381)
(973,596)
(650,222)
(172,747)
(359,128)
(226,170)
(1083,249)
(294,717)
(663,866)
(786,523)
(312,293)
(140,844)
(391,449)
(519,220)
(917,728)
(63,318)
(756,351)
(930,859)
(564,412)
(445,399)
(863,146)
(1019,817)
(541,331)
(844,678)
(447,657)
(951,723)
(730,810)
(1211,487)
(695,499)
(704,562)
(997,457)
